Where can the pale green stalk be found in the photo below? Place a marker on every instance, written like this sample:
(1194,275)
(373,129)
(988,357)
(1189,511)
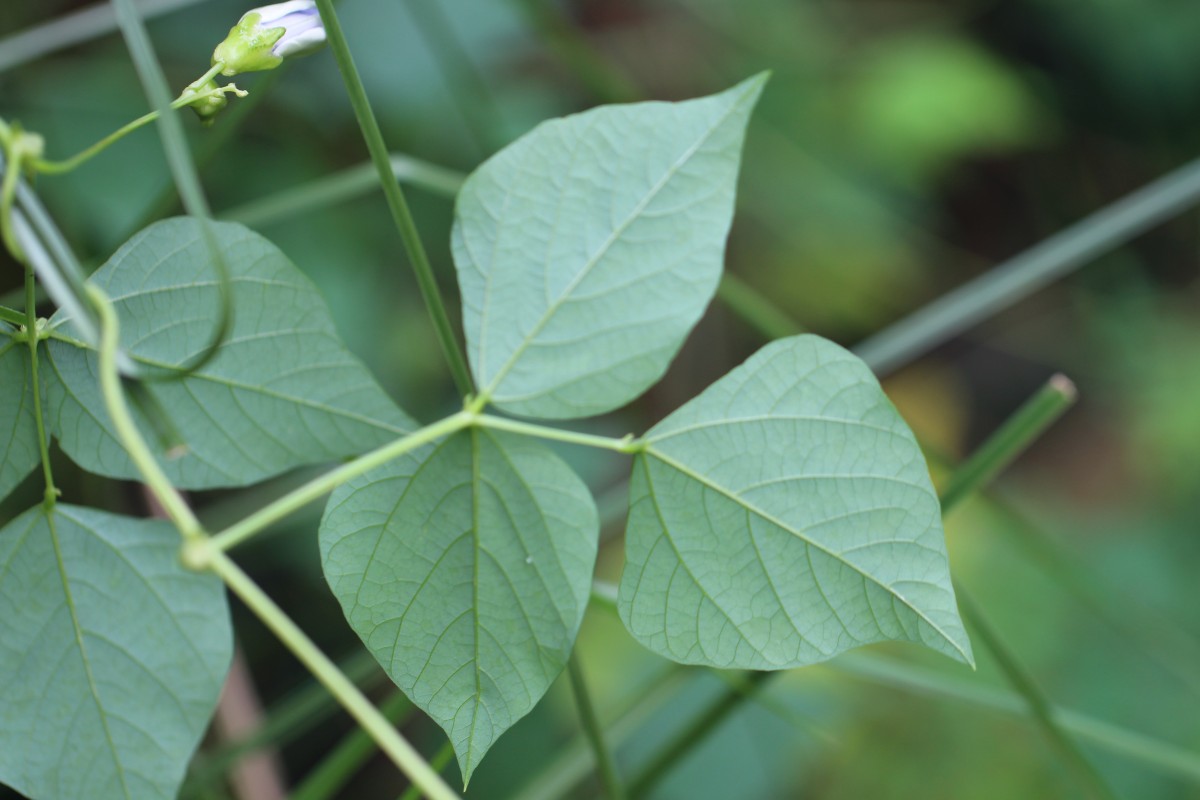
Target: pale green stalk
(1021,276)
(367,715)
(66,165)
(198,552)
(593,730)
(347,184)
(335,770)
(50,495)
(319,487)
(397,203)
(626,444)
(441,759)
(173,504)
(322,485)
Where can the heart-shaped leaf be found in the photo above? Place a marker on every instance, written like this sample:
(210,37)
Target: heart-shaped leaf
(783,516)
(588,249)
(466,572)
(283,390)
(112,656)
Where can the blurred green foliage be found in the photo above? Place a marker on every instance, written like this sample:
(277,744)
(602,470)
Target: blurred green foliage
(901,148)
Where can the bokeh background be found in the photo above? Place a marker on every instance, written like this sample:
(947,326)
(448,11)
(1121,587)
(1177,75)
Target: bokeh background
(902,148)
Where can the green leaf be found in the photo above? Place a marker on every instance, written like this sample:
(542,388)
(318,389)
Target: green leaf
(112,656)
(588,249)
(19,452)
(466,573)
(784,516)
(283,390)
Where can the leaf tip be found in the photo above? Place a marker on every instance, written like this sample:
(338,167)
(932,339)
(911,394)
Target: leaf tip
(752,87)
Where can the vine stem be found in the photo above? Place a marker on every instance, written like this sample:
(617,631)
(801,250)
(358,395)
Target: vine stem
(594,731)
(318,487)
(173,504)
(1021,430)
(396,201)
(1016,434)
(439,762)
(315,489)
(329,777)
(68,164)
(626,444)
(197,543)
(402,754)
(31,336)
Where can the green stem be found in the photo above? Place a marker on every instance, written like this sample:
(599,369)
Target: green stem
(336,769)
(626,444)
(1020,431)
(176,508)
(291,718)
(1036,701)
(368,716)
(1166,758)
(1019,277)
(319,487)
(594,731)
(575,762)
(69,164)
(1017,433)
(13,316)
(347,184)
(439,762)
(396,201)
(50,497)
(753,308)
(183,170)
(8,191)
(696,731)
(1162,756)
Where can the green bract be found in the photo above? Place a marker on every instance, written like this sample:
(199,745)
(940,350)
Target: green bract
(265,36)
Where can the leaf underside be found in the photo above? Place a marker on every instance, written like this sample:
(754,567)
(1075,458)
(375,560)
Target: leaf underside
(112,656)
(784,516)
(283,390)
(466,572)
(19,452)
(588,249)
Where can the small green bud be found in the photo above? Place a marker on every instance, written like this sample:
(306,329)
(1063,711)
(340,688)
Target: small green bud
(210,100)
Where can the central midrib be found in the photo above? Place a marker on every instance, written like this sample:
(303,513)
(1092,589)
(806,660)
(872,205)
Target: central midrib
(799,534)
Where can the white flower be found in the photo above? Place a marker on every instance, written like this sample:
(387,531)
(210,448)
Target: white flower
(265,36)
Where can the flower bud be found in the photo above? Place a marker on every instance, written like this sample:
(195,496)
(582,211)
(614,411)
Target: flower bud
(265,36)
(209,100)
